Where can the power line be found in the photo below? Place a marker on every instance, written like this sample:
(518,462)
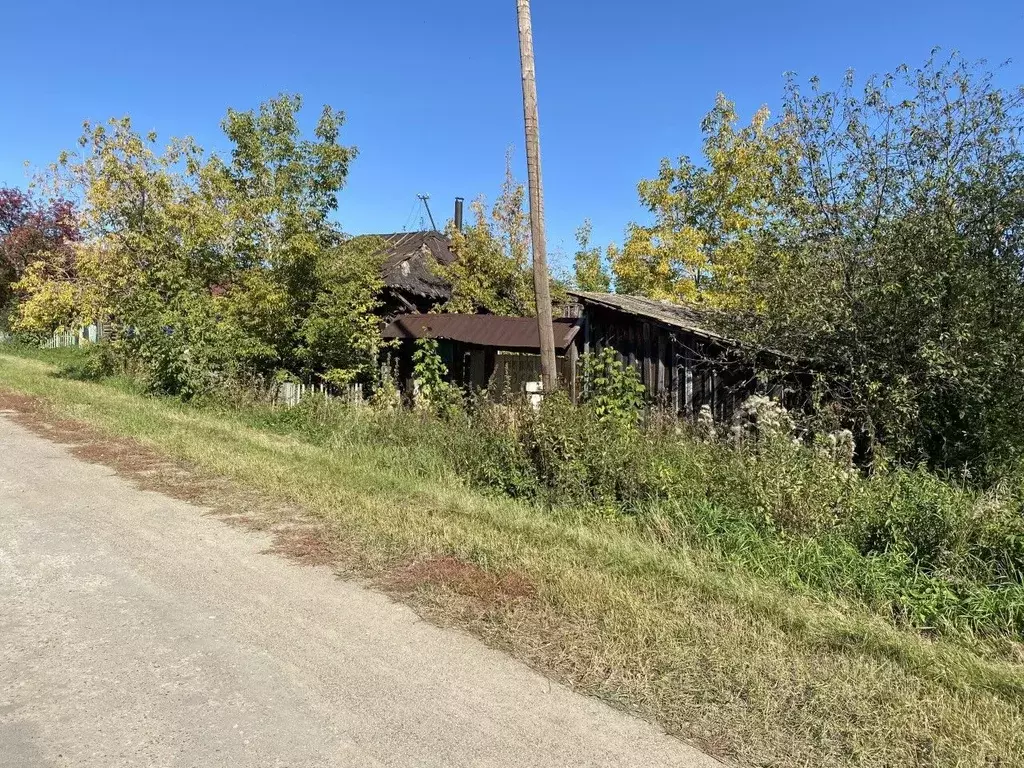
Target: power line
(412,212)
(426,204)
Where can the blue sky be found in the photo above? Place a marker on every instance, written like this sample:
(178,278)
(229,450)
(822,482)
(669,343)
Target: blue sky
(432,90)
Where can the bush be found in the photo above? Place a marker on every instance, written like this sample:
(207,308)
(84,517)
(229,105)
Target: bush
(611,388)
(586,455)
(918,548)
(487,448)
(92,363)
(434,392)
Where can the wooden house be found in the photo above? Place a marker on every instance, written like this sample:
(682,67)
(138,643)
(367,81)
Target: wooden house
(684,359)
(486,351)
(413,282)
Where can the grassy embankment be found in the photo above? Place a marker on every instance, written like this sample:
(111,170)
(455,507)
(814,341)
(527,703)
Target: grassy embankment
(617,606)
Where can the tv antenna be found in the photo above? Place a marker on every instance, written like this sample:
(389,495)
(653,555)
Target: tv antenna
(426,204)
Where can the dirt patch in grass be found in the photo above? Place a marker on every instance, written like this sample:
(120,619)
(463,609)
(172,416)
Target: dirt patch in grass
(455,575)
(307,545)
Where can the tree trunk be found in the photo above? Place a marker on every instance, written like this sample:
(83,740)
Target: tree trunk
(541,284)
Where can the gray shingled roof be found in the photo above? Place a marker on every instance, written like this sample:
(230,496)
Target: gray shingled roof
(687,317)
(409,267)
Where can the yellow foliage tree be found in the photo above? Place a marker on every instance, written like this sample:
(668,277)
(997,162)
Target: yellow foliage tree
(52,298)
(49,303)
(712,228)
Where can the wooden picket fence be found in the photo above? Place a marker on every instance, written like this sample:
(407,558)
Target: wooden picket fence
(290,393)
(87,334)
(61,339)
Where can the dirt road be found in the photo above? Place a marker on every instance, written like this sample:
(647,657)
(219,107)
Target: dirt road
(136,631)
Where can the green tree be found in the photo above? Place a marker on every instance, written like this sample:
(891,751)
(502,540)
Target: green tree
(218,270)
(904,259)
(875,229)
(589,265)
(281,190)
(341,334)
(492,272)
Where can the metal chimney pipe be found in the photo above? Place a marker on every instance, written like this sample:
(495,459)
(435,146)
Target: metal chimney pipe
(458,213)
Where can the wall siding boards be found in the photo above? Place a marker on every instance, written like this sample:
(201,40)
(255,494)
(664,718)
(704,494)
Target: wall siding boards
(680,371)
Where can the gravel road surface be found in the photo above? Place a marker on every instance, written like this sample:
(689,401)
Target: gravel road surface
(135,631)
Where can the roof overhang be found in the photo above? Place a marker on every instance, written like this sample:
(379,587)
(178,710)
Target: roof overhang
(515,334)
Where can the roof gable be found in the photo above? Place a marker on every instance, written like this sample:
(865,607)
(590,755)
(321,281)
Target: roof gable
(409,263)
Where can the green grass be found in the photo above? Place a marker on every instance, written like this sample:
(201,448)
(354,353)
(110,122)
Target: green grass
(624,608)
(60,356)
(917,549)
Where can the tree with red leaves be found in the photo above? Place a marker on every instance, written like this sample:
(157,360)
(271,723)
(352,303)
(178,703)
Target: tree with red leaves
(31,231)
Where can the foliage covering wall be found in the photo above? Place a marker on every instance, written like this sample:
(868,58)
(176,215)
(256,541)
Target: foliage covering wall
(877,228)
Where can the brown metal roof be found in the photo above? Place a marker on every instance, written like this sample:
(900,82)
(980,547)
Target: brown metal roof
(513,333)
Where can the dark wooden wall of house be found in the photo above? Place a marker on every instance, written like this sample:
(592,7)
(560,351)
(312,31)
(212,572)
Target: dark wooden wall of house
(681,371)
(474,367)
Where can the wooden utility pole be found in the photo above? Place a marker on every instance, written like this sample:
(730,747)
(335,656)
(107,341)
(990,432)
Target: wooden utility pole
(541,285)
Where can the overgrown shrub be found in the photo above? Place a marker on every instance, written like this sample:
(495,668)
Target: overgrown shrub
(434,392)
(612,389)
(588,454)
(91,363)
(487,448)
